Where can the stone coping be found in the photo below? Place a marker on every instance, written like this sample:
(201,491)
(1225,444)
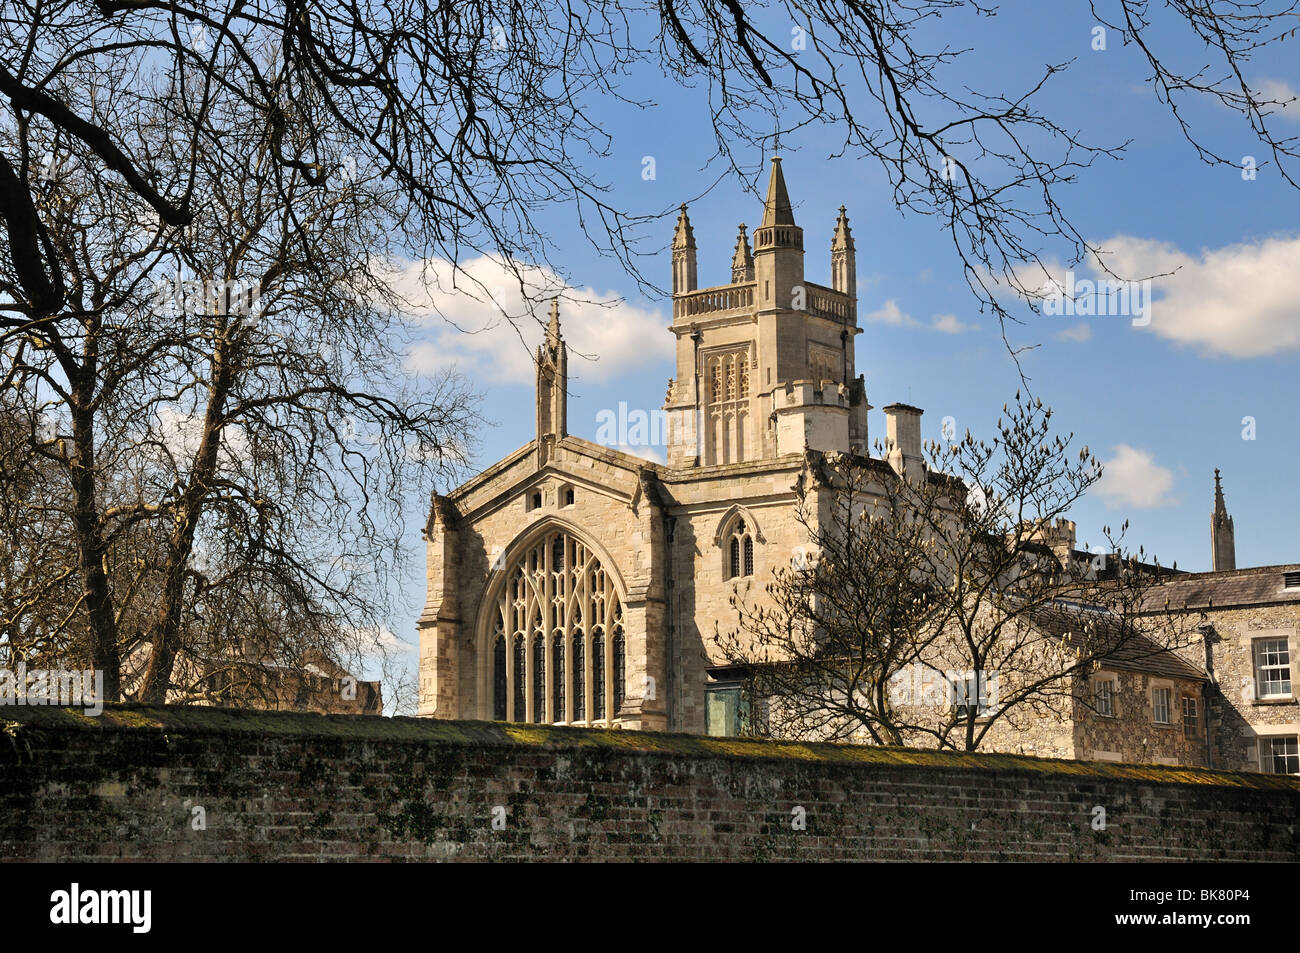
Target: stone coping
(15,721)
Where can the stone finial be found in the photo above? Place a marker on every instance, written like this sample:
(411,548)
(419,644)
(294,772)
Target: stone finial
(742,261)
(684,235)
(843,240)
(553,326)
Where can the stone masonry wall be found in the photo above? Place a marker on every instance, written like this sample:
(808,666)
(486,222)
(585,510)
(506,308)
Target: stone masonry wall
(136,782)
(1241,721)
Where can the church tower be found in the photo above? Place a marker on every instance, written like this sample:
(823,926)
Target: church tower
(1221,532)
(552,388)
(765,364)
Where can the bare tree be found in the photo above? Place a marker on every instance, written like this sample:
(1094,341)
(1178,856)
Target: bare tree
(466,120)
(238,373)
(478,112)
(917,572)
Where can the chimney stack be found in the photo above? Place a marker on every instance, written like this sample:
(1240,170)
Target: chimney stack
(903,439)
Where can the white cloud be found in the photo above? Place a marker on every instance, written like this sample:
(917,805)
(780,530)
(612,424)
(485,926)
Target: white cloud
(481,322)
(1275,90)
(181,432)
(1133,478)
(891,313)
(1080,332)
(949,324)
(1238,300)
(388,641)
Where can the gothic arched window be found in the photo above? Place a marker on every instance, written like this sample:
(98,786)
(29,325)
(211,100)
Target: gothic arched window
(740,552)
(558,586)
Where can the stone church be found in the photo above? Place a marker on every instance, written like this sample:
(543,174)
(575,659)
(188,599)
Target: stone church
(575,584)
(572,583)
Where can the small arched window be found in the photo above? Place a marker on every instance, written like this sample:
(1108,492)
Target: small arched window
(740,552)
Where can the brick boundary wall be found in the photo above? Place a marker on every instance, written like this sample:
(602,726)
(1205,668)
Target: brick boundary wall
(289,786)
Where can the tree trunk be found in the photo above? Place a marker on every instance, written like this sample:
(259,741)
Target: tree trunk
(165,634)
(91,549)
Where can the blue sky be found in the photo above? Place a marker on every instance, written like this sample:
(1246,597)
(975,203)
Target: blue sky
(1163,404)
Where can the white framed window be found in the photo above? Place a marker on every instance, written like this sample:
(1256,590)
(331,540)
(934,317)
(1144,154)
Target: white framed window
(1191,718)
(1280,754)
(1160,698)
(1103,693)
(1272,668)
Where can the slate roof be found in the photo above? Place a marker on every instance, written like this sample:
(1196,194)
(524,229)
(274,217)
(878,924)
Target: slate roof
(1133,651)
(1259,585)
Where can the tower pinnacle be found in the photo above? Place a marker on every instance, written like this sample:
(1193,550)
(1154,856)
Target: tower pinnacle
(742,262)
(684,260)
(552,388)
(844,262)
(777,210)
(1222,536)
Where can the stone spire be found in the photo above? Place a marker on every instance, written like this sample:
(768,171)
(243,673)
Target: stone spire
(777,210)
(552,388)
(778,252)
(684,268)
(1221,532)
(742,262)
(844,262)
